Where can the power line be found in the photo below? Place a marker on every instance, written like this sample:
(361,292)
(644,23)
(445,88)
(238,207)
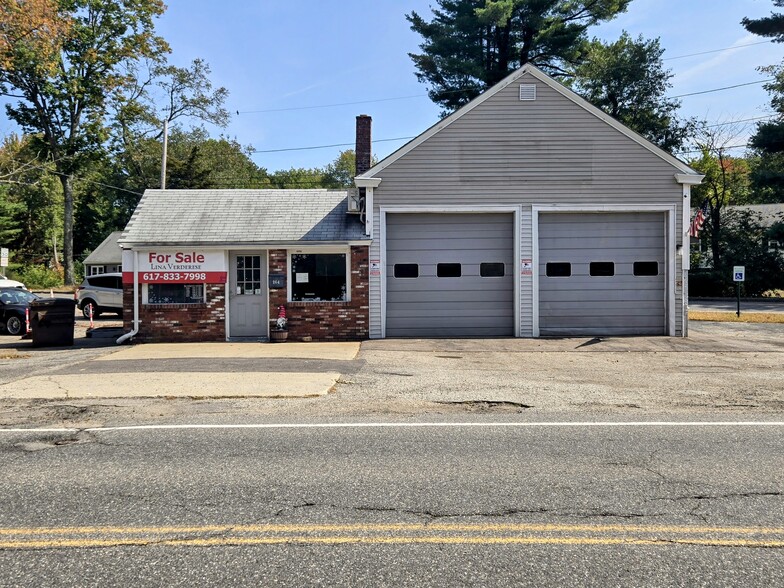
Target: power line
(716,50)
(325,146)
(734,122)
(723,88)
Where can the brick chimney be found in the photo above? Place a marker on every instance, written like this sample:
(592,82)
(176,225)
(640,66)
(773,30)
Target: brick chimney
(363,147)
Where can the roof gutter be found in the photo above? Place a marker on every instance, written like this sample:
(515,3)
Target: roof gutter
(135,329)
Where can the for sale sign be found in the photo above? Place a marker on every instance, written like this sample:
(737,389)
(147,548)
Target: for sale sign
(177,266)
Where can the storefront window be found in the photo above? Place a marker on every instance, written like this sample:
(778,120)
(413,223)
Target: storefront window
(175,294)
(318,276)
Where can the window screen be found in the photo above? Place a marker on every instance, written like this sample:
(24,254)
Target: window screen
(449,270)
(646,268)
(406,270)
(491,270)
(602,269)
(558,270)
(318,276)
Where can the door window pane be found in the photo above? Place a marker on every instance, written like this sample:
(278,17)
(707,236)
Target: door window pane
(249,274)
(602,269)
(449,270)
(491,270)
(646,268)
(406,270)
(318,276)
(558,270)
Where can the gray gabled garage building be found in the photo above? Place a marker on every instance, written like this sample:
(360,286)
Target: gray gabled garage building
(528,212)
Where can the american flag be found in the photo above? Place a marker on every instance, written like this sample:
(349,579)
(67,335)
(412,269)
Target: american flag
(699,220)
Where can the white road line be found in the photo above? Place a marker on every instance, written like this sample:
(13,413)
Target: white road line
(409,425)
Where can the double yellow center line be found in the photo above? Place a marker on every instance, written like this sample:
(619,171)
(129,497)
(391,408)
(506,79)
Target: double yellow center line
(379,534)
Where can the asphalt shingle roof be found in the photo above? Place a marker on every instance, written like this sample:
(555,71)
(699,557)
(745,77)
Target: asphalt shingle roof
(108,252)
(237,217)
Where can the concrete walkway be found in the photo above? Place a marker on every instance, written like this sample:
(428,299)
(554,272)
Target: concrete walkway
(197,370)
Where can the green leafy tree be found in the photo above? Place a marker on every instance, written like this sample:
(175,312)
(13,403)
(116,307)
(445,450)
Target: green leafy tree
(470,45)
(769,26)
(65,106)
(726,182)
(768,141)
(297,178)
(627,80)
(340,173)
(33,203)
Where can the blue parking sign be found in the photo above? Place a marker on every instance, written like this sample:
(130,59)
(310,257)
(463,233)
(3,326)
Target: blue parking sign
(739,273)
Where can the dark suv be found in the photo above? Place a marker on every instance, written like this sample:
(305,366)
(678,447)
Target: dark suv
(103,292)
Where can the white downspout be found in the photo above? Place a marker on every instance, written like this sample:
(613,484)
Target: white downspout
(135,329)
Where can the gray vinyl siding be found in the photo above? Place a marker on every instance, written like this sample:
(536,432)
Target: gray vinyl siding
(510,152)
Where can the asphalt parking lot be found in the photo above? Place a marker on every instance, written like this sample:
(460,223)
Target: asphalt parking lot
(724,367)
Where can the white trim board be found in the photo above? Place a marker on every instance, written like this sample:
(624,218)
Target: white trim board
(670,211)
(515,210)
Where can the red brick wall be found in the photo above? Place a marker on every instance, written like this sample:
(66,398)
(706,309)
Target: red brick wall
(175,323)
(321,321)
(324,321)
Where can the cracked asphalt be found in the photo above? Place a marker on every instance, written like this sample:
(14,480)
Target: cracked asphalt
(392,506)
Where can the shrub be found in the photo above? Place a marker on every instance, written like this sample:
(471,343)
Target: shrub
(38,277)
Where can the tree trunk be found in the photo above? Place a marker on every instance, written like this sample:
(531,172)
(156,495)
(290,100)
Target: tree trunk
(68,217)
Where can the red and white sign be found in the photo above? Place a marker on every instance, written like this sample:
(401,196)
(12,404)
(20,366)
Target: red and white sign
(177,266)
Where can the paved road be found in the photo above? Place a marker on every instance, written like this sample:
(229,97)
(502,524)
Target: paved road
(731,305)
(395,505)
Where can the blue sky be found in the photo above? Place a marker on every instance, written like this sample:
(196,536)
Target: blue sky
(295,55)
(305,53)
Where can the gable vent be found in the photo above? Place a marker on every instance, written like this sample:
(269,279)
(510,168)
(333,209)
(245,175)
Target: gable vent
(527,91)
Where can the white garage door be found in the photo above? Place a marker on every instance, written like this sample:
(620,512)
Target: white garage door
(602,274)
(450,275)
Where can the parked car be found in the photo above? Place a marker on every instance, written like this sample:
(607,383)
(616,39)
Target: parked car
(103,292)
(6,283)
(13,303)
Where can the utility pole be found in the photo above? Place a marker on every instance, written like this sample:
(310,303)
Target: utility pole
(165,147)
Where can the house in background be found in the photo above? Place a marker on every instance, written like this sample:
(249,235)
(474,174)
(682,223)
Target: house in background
(528,212)
(106,258)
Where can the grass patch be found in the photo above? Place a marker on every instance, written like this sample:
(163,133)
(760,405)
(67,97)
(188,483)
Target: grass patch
(731,317)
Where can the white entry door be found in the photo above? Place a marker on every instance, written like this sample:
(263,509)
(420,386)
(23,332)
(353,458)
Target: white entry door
(248,295)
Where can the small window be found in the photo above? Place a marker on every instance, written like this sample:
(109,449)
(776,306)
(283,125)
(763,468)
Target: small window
(449,270)
(491,270)
(406,270)
(602,269)
(175,293)
(558,270)
(646,268)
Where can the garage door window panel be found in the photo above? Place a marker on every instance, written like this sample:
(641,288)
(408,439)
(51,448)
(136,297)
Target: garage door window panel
(319,277)
(602,269)
(449,270)
(646,268)
(406,270)
(491,270)
(558,270)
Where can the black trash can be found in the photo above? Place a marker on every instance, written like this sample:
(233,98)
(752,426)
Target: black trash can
(52,321)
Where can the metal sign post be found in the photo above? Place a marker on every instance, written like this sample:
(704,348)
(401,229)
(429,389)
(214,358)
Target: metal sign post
(738,276)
